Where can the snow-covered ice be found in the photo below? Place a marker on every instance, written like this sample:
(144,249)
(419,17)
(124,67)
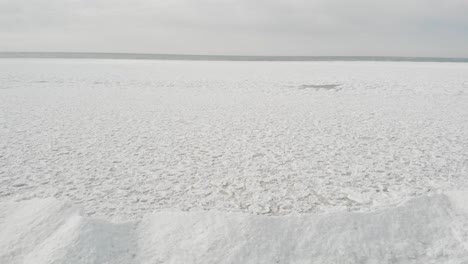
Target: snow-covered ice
(285,158)
(123,138)
(428,229)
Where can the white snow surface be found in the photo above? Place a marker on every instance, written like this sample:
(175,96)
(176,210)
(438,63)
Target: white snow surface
(427,229)
(122,138)
(233,162)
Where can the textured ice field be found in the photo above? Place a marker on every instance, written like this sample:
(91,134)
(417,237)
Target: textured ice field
(123,138)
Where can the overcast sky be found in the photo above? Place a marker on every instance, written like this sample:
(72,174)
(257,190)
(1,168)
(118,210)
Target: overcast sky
(238,27)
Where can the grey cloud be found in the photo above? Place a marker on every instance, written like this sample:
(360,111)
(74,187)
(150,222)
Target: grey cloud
(274,27)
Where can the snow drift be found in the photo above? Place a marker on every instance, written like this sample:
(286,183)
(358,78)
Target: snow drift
(429,229)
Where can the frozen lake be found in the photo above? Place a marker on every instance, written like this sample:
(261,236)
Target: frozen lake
(122,138)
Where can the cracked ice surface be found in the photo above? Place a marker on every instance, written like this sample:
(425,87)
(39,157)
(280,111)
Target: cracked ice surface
(121,138)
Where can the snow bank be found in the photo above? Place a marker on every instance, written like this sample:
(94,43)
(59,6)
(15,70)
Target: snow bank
(429,229)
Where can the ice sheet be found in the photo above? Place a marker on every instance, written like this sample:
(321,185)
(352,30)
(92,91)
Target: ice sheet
(124,138)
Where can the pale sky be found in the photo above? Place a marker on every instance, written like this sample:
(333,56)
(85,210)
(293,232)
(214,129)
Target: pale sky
(243,27)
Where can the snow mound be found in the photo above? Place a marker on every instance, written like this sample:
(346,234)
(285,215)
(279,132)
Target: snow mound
(428,229)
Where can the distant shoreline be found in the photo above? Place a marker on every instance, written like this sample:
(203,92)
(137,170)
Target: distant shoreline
(143,56)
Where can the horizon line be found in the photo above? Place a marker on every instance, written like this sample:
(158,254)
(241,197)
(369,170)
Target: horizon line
(162,56)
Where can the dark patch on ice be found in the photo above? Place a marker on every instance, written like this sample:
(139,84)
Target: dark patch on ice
(40,81)
(17,185)
(321,86)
